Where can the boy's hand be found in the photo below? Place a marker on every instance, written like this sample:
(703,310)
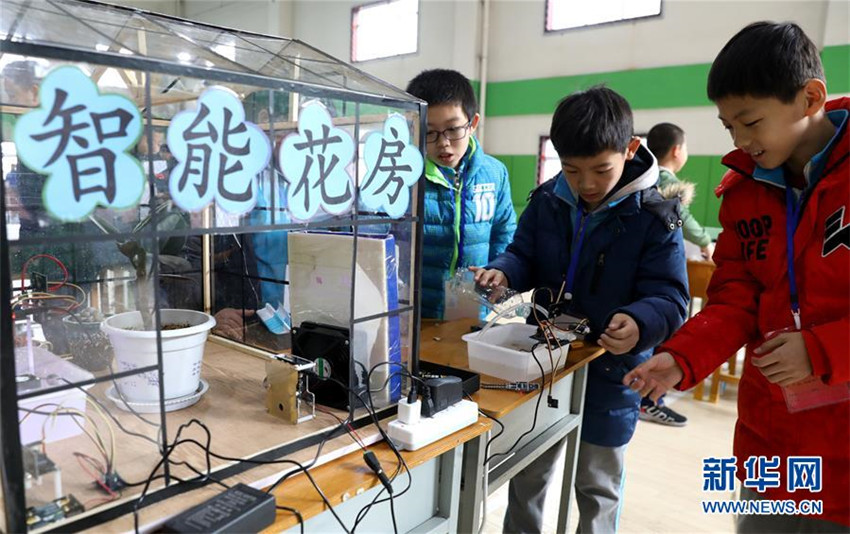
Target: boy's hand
(489,277)
(785,359)
(621,336)
(228,321)
(654,376)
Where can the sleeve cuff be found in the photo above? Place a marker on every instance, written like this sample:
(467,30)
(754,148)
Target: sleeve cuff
(817,356)
(687,381)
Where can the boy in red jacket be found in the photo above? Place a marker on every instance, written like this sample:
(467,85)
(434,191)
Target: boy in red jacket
(782,281)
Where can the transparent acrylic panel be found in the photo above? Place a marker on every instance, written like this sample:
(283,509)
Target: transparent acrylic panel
(369,83)
(43,22)
(79,450)
(82,162)
(118,31)
(10,13)
(63,291)
(384,362)
(326,287)
(146,38)
(313,66)
(154,255)
(400,235)
(72,374)
(230,46)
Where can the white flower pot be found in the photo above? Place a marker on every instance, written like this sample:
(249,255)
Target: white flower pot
(182,352)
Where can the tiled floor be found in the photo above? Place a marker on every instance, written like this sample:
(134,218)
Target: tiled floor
(663,474)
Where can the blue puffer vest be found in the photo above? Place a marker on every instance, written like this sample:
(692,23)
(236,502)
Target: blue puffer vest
(465,226)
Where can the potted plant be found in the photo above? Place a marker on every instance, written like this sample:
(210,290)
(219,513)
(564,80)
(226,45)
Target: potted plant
(133,334)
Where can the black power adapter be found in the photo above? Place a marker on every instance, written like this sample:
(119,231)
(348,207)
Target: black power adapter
(440,393)
(240,508)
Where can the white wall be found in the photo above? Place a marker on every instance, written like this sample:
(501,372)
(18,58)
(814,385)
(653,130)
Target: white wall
(273,17)
(166,7)
(837,23)
(448,30)
(448,37)
(688,31)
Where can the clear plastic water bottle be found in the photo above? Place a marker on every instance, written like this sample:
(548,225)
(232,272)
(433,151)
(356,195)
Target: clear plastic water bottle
(501,300)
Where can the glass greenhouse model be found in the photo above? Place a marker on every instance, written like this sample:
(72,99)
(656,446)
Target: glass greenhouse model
(209,258)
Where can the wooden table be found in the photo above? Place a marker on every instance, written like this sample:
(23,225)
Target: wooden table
(234,411)
(436,501)
(430,505)
(441,343)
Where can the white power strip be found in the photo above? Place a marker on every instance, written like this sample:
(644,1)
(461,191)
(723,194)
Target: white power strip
(430,429)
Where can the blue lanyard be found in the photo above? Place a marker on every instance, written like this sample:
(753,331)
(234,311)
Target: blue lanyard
(578,238)
(792,217)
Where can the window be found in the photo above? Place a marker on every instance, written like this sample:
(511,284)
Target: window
(384,29)
(566,14)
(549,164)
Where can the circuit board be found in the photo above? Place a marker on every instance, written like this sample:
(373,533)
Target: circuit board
(39,516)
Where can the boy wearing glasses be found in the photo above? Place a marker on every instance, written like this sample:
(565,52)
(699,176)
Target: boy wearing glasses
(469,217)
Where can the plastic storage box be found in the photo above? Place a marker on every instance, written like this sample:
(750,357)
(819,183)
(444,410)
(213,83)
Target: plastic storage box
(504,351)
(47,371)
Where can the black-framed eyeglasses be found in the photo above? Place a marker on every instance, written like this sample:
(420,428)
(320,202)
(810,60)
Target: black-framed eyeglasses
(452,134)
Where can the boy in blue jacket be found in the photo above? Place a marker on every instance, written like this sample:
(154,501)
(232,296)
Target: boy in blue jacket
(602,232)
(469,217)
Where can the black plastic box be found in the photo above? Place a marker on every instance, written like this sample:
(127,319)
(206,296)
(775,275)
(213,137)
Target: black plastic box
(470,381)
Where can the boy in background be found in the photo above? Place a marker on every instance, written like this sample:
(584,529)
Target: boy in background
(667,143)
(782,283)
(601,235)
(469,217)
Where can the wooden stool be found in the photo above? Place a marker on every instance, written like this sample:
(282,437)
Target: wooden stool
(699,275)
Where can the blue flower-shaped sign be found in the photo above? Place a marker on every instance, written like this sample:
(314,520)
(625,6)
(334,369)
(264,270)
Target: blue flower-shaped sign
(314,162)
(393,165)
(219,154)
(78,137)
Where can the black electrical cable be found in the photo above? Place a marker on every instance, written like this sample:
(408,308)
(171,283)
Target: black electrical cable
(488,457)
(114,419)
(228,458)
(294,512)
(207,475)
(536,411)
(166,454)
(304,469)
(371,411)
(208,452)
(365,510)
(392,514)
(300,467)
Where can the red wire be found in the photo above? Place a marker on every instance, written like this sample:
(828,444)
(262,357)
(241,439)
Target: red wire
(95,477)
(55,260)
(354,435)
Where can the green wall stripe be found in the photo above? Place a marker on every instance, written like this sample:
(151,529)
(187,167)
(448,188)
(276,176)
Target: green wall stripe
(522,173)
(836,65)
(704,171)
(476,88)
(653,88)
(662,87)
